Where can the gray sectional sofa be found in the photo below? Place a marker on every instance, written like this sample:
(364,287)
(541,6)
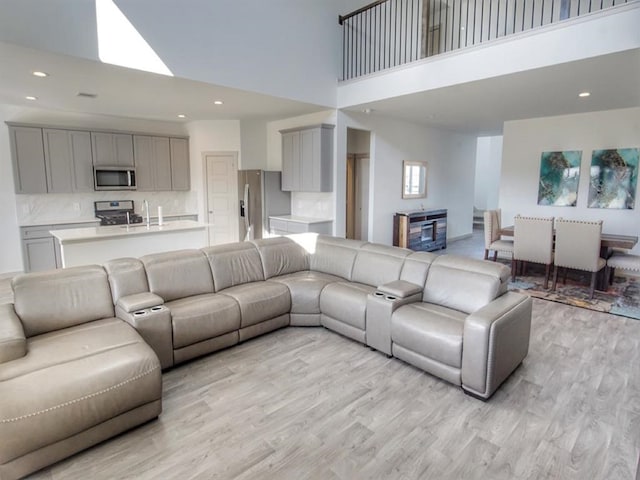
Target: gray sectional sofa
(81,349)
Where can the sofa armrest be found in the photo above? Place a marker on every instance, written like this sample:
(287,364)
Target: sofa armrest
(400,289)
(13,343)
(139,301)
(495,341)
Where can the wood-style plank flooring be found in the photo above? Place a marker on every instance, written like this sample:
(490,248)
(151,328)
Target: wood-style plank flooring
(306,403)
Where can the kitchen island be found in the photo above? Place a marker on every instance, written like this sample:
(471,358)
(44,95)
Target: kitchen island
(95,245)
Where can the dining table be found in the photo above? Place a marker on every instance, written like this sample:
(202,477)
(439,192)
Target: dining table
(608,242)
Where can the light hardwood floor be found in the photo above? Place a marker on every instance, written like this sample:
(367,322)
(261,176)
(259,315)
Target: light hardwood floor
(305,403)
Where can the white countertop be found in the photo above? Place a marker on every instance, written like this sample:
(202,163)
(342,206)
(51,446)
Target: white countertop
(38,223)
(296,218)
(75,235)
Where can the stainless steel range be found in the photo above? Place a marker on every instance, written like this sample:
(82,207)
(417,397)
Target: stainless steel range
(117,212)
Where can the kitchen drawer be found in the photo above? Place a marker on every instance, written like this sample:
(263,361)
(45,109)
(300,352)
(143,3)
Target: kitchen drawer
(275,224)
(37,231)
(297,227)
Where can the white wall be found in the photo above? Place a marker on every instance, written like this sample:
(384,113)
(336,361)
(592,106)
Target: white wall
(488,164)
(210,136)
(525,140)
(450,179)
(253,139)
(18,210)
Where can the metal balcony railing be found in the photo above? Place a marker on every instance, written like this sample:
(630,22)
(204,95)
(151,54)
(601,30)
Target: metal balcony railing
(388,33)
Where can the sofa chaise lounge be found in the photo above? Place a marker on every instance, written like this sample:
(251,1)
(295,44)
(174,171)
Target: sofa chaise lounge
(81,349)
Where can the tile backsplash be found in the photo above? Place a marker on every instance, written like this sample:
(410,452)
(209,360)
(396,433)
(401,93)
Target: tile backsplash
(308,204)
(78,207)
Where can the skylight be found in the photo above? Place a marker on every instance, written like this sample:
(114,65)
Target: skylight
(119,43)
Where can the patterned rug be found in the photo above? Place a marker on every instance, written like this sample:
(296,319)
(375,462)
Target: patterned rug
(621,298)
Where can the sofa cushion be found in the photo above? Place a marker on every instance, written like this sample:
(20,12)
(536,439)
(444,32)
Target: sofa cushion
(201,317)
(305,288)
(178,274)
(334,256)
(48,301)
(464,284)
(281,256)
(430,330)
(71,380)
(376,265)
(346,302)
(260,301)
(234,264)
(126,277)
(416,267)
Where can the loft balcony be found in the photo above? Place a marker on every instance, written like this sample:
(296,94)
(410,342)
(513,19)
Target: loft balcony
(390,33)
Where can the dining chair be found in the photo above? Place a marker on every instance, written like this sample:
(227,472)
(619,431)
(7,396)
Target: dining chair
(621,261)
(492,240)
(578,247)
(533,242)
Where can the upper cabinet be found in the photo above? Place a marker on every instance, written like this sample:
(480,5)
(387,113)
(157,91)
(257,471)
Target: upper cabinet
(27,152)
(67,156)
(162,163)
(307,158)
(153,162)
(112,149)
(61,160)
(180,175)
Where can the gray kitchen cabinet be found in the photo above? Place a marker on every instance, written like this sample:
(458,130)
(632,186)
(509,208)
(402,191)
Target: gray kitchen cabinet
(27,152)
(39,254)
(307,158)
(112,149)
(68,161)
(180,175)
(40,250)
(153,162)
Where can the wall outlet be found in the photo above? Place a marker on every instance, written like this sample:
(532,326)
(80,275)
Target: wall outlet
(76,206)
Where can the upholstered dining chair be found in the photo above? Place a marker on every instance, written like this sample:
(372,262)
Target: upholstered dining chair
(533,242)
(622,261)
(578,247)
(492,240)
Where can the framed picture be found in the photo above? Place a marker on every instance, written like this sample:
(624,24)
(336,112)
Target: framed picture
(559,178)
(613,178)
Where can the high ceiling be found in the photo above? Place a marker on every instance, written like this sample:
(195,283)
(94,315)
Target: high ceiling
(478,107)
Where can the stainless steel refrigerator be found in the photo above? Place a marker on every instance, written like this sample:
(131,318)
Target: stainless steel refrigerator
(261,195)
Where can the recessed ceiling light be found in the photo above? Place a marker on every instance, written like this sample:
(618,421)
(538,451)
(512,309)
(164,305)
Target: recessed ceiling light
(31,97)
(40,74)
(367,110)
(182,115)
(218,102)
(584,94)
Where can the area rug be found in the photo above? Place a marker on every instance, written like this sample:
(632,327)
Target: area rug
(621,298)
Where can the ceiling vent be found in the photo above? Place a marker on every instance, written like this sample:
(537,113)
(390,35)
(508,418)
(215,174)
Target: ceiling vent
(87,95)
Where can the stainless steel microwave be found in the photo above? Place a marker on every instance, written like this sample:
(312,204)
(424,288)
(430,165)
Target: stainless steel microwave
(114,178)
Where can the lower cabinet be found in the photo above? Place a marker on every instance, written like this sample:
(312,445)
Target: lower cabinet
(40,250)
(39,254)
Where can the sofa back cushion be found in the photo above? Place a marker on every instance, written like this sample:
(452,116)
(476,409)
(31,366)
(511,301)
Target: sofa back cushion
(416,267)
(178,274)
(56,299)
(281,255)
(334,256)
(377,264)
(234,264)
(463,283)
(126,277)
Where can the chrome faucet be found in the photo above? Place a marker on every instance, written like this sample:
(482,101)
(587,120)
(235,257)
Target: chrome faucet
(146,209)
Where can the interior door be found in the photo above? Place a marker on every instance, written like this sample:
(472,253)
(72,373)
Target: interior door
(362,199)
(221,178)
